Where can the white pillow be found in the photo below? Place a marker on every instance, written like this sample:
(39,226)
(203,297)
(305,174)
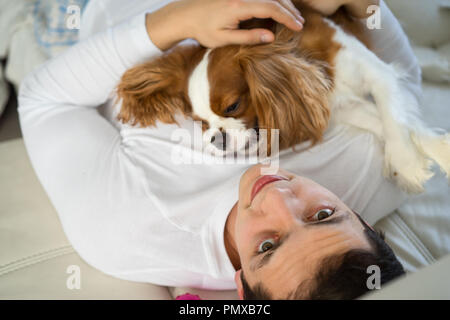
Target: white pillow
(434,64)
(427,22)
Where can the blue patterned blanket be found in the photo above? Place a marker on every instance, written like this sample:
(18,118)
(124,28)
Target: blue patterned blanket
(56,23)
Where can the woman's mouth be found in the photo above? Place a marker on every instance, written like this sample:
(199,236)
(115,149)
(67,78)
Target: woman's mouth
(261,182)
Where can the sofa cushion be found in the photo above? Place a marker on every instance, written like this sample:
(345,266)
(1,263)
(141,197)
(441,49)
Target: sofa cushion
(427,22)
(34,252)
(432,283)
(48,278)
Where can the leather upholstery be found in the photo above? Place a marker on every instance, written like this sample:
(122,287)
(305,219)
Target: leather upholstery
(35,254)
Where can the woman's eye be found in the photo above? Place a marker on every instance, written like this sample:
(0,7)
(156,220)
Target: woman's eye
(323,214)
(266,245)
(232,108)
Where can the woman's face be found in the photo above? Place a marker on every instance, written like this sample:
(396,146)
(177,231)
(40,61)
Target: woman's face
(286,225)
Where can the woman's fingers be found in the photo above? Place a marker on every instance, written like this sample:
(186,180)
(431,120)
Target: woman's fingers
(282,11)
(271,9)
(215,23)
(290,6)
(253,36)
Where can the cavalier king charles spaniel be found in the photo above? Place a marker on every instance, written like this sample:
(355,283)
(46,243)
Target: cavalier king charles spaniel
(298,84)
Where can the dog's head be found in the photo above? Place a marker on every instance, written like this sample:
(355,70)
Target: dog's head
(232,89)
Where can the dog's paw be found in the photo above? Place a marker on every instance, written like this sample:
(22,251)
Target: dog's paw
(437,148)
(406,165)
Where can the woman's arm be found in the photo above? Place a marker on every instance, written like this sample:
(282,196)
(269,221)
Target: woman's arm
(214,23)
(86,167)
(68,141)
(389,41)
(357,8)
(391,44)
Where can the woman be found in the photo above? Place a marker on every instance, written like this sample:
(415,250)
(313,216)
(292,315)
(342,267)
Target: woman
(132,213)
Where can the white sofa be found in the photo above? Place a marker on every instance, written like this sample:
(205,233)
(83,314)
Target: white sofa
(35,254)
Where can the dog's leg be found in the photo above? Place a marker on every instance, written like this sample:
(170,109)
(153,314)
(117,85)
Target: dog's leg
(436,147)
(433,143)
(358,113)
(361,72)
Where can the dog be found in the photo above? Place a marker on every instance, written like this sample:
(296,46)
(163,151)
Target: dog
(298,84)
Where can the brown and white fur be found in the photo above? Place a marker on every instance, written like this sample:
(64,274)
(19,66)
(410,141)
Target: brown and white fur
(297,84)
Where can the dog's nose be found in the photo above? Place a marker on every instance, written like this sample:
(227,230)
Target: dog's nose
(219,140)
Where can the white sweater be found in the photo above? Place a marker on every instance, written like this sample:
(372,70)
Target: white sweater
(124,206)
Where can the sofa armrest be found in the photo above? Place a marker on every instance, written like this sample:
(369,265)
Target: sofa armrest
(35,255)
(429,283)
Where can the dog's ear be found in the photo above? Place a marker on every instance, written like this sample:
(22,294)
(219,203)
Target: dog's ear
(288,91)
(156,90)
(253,23)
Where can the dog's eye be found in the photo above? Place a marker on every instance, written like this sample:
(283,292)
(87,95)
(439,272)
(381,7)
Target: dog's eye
(232,108)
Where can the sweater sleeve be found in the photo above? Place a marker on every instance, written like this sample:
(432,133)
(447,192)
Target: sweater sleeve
(391,44)
(63,131)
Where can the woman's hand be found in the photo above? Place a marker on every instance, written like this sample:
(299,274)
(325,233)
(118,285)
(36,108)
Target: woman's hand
(215,23)
(357,8)
(326,7)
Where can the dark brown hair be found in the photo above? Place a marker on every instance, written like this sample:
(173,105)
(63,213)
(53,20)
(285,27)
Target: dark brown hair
(341,277)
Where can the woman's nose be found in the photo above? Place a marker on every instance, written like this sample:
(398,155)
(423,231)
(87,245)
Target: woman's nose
(280,203)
